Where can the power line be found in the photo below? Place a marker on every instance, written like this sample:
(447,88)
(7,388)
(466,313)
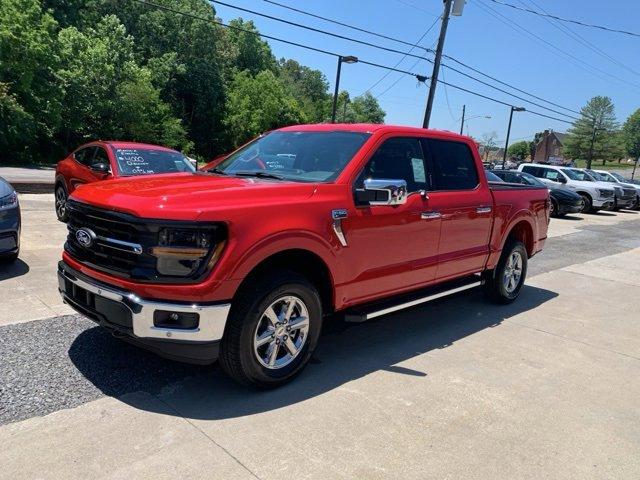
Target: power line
(579,38)
(429,50)
(381,47)
(572,58)
(567,20)
(420,78)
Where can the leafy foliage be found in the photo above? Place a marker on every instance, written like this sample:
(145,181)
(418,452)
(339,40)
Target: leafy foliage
(519,149)
(598,114)
(76,70)
(631,134)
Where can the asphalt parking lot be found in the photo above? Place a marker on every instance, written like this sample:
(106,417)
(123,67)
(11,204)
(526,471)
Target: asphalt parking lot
(547,387)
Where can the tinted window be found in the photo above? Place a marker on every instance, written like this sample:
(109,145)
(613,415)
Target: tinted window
(100,156)
(302,156)
(454,167)
(138,161)
(535,171)
(397,159)
(492,177)
(85,155)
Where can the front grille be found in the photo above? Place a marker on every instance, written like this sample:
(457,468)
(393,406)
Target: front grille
(123,243)
(606,193)
(629,192)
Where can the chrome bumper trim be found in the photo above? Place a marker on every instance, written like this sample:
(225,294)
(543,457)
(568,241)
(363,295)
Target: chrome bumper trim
(213,318)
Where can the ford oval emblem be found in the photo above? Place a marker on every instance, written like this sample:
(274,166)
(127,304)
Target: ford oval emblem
(85,237)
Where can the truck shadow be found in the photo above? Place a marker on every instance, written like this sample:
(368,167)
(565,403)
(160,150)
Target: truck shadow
(345,352)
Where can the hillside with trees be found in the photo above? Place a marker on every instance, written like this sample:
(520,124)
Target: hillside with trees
(72,71)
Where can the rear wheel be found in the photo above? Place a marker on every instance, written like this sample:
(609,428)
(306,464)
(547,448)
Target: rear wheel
(272,330)
(554,209)
(61,203)
(503,284)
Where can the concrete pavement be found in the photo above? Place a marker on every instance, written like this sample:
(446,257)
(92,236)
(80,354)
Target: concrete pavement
(29,179)
(544,388)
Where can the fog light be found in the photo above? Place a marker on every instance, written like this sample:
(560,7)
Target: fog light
(178,320)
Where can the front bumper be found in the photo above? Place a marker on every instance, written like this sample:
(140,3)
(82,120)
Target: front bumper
(134,318)
(570,207)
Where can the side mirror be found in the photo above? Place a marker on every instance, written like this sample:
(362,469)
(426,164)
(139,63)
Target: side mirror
(562,180)
(382,192)
(100,168)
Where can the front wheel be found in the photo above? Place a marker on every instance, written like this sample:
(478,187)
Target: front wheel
(587,203)
(272,330)
(503,284)
(61,204)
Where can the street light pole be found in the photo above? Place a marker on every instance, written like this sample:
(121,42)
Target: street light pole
(341,59)
(506,144)
(464,107)
(436,63)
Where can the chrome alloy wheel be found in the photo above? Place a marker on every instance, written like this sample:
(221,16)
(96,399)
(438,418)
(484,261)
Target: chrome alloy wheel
(61,202)
(512,272)
(281,332)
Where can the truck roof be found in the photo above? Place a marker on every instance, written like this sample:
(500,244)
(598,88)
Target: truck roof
(367,128)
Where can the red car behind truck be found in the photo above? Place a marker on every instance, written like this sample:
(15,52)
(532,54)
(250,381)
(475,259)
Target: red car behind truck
(244,262)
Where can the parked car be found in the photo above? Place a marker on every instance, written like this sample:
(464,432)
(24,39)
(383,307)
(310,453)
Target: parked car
(631,189)
(620,199)
(10,222)
(245,263)
(594,195)
(98,161)
(563,201)
(492,177)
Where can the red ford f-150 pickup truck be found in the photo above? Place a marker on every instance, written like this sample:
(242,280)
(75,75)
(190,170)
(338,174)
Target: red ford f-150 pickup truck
(244,262)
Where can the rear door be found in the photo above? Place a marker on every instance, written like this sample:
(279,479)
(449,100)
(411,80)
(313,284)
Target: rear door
(464,204)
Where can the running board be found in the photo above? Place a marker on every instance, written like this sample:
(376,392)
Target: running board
(362,314)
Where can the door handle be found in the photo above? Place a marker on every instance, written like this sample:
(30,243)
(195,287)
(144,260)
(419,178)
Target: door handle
(483,209)
(430,215)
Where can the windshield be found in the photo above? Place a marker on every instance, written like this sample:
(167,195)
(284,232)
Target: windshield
(143,161)
(575,174)
(619,177)
(601,177)
(297,156)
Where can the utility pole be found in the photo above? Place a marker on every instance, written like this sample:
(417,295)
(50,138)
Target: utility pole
(436,63)
(506,143)
(464,107)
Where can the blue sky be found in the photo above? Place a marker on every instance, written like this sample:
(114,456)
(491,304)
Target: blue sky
(578,68)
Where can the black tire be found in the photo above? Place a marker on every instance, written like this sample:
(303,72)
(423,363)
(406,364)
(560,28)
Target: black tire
(237,356)
(554,209)
(60,196)
(494,284)
(588,203)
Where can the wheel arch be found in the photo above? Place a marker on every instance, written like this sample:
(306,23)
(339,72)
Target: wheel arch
(523,231)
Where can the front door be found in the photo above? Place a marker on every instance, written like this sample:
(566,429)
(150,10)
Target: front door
(391,248)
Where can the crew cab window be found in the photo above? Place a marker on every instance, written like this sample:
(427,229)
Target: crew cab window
(453,165)
(85,156)
(551,174)
(399,158)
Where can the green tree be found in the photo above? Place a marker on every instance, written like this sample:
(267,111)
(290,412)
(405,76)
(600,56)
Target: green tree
(260,103)
(367,109)
(631,137)
(31,96)
(598,114)
(253,53)
(519,149)
(309,87)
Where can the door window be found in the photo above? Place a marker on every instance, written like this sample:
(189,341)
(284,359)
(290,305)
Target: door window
(399,158)
(553,175)
(100,156)
(453,165)
(535,171)
(85,156)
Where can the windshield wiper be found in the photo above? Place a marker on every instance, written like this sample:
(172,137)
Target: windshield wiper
(259,175)
(217,170)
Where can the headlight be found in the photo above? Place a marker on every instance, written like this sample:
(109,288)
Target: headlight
(181,252)
(9,201)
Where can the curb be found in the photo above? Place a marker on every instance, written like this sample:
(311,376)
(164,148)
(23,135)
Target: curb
(30,187)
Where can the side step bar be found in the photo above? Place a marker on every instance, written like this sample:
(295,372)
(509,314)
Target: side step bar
(362,314)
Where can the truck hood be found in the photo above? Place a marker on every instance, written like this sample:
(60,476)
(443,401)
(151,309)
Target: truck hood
(589,185)
(187,196)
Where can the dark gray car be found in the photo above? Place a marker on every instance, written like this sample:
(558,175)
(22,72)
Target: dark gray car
(9,222)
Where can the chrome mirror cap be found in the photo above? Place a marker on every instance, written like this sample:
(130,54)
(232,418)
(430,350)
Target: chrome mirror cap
(396,190)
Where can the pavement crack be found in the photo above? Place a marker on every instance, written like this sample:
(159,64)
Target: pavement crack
(208,437)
